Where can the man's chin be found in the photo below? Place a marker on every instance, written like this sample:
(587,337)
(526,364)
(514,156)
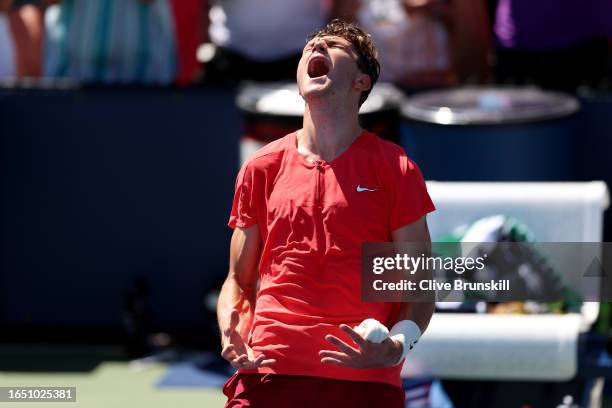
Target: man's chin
(315,89)
(316,97)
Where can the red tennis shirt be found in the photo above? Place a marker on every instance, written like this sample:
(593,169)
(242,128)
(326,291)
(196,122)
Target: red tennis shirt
(313,218)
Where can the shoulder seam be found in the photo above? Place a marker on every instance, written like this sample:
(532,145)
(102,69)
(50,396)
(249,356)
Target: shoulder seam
(256,156)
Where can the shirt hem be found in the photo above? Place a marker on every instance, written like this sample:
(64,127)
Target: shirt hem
(373,378)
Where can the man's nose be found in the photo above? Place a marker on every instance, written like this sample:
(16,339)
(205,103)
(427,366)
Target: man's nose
(320,46)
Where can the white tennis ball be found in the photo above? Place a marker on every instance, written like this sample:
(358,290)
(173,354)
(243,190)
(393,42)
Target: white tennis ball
(372,330)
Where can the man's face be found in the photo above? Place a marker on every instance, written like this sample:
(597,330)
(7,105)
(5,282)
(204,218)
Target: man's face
(328,66)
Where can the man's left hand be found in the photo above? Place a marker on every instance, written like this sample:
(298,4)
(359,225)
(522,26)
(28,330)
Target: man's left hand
(366,355)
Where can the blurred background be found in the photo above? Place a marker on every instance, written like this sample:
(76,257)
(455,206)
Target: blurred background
(123,124)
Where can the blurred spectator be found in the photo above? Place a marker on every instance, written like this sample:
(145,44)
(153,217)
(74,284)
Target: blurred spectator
(189,23)
(263,39)
(28,31)
(7,48)
(428,43)
(21,33)
(412,39)
(554,43)
(111,41)
(471,40)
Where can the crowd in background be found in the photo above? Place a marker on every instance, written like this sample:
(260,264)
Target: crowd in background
(422,44)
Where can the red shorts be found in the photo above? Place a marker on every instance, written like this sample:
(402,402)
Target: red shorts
(282,391)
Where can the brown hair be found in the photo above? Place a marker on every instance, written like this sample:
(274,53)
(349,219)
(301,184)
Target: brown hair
(363,44)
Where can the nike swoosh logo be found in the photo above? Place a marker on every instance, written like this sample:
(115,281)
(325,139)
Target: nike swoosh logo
(362,189)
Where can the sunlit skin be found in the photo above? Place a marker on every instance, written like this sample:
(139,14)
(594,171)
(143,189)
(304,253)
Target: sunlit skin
(343,79)
(332,99)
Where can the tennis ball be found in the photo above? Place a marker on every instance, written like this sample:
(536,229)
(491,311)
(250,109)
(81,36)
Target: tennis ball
(372,330)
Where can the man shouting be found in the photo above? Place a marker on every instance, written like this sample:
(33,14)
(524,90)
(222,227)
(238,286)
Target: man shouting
(290,311)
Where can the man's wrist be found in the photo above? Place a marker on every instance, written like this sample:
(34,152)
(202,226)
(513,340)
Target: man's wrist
(407,333)
(396,351)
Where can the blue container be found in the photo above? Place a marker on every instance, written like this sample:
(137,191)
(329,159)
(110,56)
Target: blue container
(595,147)
(492,134)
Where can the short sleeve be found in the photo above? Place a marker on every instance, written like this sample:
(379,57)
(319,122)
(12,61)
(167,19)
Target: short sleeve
(410,199)
(244,212)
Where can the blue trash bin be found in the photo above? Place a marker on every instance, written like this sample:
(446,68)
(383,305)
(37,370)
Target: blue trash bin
(492,134)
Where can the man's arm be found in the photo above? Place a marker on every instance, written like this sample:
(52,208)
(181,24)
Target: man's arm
(237,299)
(419,312)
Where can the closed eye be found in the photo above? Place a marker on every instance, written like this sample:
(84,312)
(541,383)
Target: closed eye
(330,43)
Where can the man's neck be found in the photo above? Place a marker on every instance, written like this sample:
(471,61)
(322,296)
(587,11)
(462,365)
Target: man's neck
(328,130)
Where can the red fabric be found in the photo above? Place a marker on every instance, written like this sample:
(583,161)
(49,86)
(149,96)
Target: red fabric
(282,391)
(312,223)
(188,30)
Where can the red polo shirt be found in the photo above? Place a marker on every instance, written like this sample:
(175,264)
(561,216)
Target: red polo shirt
(313,218)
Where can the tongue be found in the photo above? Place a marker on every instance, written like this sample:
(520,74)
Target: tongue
(317,68)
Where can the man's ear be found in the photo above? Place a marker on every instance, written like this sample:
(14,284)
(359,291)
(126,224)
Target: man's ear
(362,82)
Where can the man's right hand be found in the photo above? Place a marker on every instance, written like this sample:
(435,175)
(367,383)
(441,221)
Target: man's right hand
(236,351)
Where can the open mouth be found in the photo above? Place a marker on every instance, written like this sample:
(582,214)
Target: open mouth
(317,67)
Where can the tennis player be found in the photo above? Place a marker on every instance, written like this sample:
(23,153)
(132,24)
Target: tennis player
(290,311)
